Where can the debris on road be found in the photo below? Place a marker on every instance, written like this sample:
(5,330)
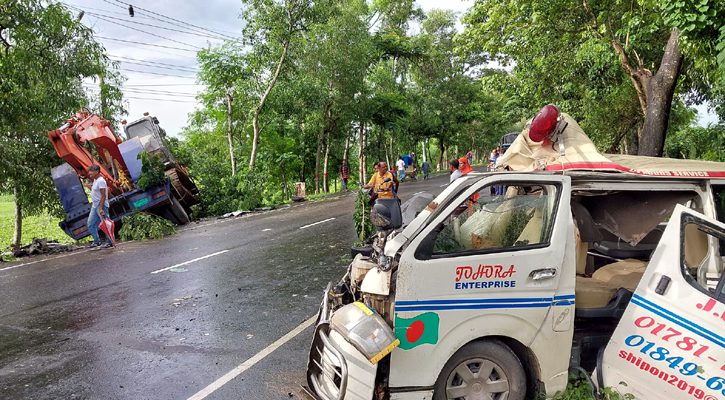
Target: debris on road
(43,246)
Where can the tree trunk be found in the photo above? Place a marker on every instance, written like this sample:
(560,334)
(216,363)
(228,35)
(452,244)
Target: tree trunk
(660,89)
(346,152)
(362,167)
(229,134)
(442,148)
(262,101)
(423,145)
(320,136)
(18,234)
(325,172)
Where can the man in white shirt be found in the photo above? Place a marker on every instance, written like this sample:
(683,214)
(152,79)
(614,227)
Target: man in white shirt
(99,206)
(401,169)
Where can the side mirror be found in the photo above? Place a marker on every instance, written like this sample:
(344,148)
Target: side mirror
(386,214)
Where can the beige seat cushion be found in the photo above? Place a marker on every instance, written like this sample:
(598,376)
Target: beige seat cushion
(621,274)
(533,229)
(595,292)
(591,293)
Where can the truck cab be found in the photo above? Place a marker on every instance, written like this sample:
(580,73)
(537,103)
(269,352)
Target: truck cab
(613,267)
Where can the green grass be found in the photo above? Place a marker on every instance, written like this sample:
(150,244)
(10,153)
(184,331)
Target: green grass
(35,226)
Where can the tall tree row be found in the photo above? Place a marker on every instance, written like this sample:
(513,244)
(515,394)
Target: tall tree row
(45,53)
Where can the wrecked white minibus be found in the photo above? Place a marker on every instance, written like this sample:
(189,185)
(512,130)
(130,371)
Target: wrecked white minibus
(608,263)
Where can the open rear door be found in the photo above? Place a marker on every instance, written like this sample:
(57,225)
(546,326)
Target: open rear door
(670,342)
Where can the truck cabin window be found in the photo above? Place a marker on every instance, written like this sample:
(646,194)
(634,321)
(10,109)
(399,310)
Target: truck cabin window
(701,257)
(141,128)
(514,217)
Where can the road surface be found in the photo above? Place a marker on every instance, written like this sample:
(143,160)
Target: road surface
(221,310)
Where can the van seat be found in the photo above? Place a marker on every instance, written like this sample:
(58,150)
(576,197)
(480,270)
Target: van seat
(597,291)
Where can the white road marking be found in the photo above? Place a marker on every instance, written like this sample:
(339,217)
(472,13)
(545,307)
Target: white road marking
(316,223)
(444,185)
(190,261)
(43,260)
(226,378)
(266,230)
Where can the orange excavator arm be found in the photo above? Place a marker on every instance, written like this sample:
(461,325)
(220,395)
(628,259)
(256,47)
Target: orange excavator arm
(85,127)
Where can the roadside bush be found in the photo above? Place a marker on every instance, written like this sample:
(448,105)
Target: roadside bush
(244,191)
(142,226)
(363,227)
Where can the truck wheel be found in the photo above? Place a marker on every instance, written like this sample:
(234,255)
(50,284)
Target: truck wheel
(180,216)
(482,370)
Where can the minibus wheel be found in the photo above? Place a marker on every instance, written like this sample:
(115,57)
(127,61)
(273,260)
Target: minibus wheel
(485,369)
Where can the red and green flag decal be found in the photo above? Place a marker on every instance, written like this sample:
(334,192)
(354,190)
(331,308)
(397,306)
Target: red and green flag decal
(413,332)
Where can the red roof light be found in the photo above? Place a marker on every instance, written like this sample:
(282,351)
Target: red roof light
(544,123)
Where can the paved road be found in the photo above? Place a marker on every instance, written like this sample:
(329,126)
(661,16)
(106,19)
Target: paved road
(119,324)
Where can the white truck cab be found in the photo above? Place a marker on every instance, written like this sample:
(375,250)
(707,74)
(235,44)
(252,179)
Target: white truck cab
(614,268)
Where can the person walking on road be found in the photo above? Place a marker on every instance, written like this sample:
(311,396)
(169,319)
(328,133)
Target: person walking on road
(401,168)
(344,174)
(426,169)
(99,206)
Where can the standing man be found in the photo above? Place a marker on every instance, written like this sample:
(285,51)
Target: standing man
(382,182)
(426,169)
(344,174)
(401,168)
(99,206)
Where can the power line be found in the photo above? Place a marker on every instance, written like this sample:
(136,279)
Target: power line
(182,69)
(157,73)
(155,99)
(148,91)
(145,44)
(123,58)
(205,35)
(163,84)
(175,22)
(148,33)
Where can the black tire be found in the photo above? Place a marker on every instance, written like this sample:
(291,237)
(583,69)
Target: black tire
(461,377)
(180,216)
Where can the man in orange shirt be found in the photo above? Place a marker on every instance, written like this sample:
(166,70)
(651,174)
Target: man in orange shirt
(382,182)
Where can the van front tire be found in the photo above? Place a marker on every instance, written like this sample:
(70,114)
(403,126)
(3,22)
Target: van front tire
(482,369)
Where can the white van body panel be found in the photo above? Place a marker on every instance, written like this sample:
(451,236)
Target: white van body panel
(523,311)
(670,340)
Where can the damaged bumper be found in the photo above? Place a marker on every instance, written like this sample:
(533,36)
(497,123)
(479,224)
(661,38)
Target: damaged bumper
(336,370)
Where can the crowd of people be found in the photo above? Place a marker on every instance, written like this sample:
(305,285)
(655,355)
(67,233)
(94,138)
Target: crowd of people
(385,183)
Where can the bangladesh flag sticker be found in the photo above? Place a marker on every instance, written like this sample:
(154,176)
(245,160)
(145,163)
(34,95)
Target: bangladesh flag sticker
(413,332)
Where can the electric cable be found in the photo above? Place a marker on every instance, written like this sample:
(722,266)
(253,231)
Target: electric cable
(144,44)
(157,73)
(97,15)
(181,69)
(148,33)
(175,21)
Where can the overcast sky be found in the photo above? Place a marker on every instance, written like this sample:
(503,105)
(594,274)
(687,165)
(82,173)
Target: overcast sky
(161,78)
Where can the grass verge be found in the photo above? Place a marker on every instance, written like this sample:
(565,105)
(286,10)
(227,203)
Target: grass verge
(34,226)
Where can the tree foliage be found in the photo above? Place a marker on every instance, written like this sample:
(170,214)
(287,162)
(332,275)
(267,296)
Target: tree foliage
(45,53)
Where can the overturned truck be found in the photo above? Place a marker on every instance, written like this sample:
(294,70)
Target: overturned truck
(87,139)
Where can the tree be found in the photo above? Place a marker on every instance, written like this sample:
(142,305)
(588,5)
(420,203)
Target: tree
(561,51)
(272,25)
(226,71)
(44,54)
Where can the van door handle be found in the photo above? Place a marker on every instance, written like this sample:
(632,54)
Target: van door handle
(542,273)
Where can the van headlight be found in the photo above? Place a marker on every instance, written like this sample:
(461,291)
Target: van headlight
(365,330)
